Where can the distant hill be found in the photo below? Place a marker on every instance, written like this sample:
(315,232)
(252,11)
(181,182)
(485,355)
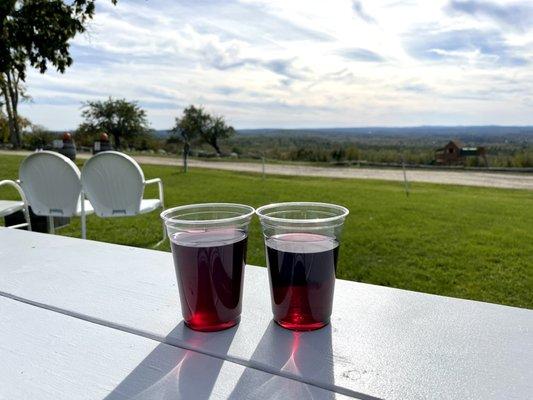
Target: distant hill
(401,131)
(445,131)
(162,133)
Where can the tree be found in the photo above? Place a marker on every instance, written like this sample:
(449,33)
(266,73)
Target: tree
(4,128)
(12,91)
(217,130)
(35,33)
(22,122)
(192,125)
(338,154)
(119,118)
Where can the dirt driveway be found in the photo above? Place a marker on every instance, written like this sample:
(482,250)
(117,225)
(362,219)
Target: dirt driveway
(467,178)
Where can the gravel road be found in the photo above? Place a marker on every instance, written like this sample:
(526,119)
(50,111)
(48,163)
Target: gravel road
(467,178)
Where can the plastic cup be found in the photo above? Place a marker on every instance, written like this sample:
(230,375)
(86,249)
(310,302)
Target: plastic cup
(302,249)
(208,244)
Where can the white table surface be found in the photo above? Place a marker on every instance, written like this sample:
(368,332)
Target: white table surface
(382,342)
(48,355)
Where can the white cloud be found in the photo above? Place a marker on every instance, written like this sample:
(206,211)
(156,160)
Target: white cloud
(299,63)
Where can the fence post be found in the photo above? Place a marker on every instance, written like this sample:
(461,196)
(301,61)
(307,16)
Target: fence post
(406,184)
(263,167)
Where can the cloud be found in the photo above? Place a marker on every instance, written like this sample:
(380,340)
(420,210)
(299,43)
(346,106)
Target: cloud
(282,67)
(416,87)
(226,56)
(226,90)
(487,47)
(359,54)
(230,19)
(357,7)
(276,63)
(516,16)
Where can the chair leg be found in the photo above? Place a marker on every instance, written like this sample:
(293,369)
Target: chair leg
(51,227)
(83,226)
(27,216)
(164,236)
(83,216)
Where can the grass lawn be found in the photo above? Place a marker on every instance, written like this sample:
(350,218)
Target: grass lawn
(466,242)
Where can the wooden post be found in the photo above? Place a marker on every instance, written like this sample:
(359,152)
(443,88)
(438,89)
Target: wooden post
(263,167)
(185,158)
(406,184)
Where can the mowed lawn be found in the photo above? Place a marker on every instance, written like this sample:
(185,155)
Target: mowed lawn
(472,243)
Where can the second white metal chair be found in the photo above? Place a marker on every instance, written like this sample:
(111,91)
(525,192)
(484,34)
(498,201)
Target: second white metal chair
(114,183)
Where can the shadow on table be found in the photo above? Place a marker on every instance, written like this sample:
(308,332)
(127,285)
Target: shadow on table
(294,354)
(175,373)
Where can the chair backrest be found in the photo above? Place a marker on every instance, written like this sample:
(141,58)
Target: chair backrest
(51,183)
(114,183)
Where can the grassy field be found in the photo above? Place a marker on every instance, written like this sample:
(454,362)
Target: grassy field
(472,243)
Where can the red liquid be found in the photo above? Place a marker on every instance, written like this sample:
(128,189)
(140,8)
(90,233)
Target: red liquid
(302,279)
(209,268)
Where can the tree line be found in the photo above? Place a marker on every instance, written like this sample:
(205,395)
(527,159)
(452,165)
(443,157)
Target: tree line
(195,131)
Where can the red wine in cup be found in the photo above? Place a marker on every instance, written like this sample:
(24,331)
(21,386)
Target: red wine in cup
(209,268)
(302,278)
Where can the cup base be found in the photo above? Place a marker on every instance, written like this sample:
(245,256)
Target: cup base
(302,327)
(213,328)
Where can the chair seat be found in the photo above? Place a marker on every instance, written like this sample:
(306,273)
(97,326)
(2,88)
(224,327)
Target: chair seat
(148,205)
(8,207)
(88,208)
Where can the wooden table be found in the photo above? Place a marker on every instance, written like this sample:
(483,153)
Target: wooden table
(90,320)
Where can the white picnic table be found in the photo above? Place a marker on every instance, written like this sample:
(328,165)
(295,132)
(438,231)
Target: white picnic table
(88,320)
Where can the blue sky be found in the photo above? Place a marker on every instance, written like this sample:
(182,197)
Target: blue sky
(292,63)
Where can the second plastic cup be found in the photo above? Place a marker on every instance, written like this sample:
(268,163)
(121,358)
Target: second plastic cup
(208,243)
(302,248)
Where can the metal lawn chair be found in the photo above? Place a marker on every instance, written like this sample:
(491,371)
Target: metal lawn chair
(114,183)
(51,183)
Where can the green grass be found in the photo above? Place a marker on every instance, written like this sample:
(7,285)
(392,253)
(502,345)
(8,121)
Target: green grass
(466,242)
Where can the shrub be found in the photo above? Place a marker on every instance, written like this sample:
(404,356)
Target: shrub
(37,138)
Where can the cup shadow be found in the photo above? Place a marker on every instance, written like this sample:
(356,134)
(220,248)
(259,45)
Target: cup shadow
(293,355)
(173,373)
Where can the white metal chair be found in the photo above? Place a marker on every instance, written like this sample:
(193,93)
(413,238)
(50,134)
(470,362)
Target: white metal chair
(51,183)
(8,207)
(114,183)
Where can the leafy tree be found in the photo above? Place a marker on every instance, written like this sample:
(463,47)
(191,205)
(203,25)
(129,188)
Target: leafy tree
(37,138)
(35,33)
(338,154)
(192,125)
(120,118)
(22,122)
(217,129)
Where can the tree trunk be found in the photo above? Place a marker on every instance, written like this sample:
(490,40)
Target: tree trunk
(215,146)
(186,148)
(12,86)
(10,95)
(117,141)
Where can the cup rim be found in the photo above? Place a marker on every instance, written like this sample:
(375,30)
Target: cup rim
(170,220)
(262,217)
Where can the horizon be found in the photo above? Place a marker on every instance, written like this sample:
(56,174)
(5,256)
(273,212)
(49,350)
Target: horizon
(301,65)
(354,127)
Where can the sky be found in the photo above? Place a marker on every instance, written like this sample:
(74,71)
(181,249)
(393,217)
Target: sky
(295,64)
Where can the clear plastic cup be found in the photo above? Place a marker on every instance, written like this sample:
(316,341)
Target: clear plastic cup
(208,243)
(302,248)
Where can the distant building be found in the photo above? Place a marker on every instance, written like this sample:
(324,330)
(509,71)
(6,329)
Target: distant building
(455,154)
